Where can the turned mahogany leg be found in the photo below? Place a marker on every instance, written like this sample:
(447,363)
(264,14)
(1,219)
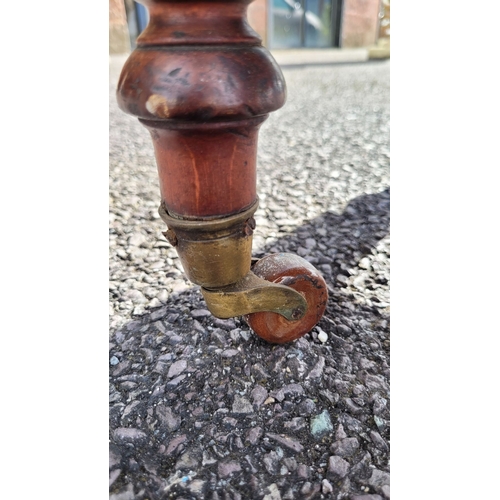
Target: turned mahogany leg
(202,83)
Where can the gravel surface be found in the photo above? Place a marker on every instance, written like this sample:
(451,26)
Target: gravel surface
(203,408)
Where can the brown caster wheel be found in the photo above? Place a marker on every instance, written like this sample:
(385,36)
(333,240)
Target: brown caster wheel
(293,271)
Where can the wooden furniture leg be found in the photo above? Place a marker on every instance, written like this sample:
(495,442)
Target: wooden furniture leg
(202,83)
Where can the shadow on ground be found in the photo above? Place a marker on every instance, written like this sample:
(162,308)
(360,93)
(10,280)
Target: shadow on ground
(203,408)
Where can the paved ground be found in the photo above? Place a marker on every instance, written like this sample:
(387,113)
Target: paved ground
(202,408)
(295,57)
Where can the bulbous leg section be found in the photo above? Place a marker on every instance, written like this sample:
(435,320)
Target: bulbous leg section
(295,272)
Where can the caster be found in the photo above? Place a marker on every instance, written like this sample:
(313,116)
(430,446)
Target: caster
(202,83)
(294,272)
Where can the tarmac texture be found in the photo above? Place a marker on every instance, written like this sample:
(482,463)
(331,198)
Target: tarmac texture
(202,408)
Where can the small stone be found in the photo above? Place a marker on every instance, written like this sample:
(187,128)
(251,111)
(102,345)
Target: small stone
(167,418)
(337,467)
(254,434)
(229,422)
(197,326)
(364,263)
(379,422)
(176,381)
(188,460)
(226,324)
(378,479)
(200,313)
(258,395)
(129,435)
(196,486)
(121,367)
(303,471)
(114,459)
(159,265)
(208,459)
(379,405)
(271,462)
(128,410)
(238,443)
(330,396)
(326,487)
(306,488)
(317,371)
(342,279)
(160,367)
(134,325)
(175,339)
(310,243)
(176,286)
(307,407)
(136,297)
(280,394)
(124,495)
(363,467)
(245,335)
(114,361)
(138,311)
(242,405)
(345,447)
(352,424)
(113,476)
(378,441)
(303,252)
(286,222)
(375,383)
(344,330)
(229,353)
(326,269)
(154,302)
(352,407)
(160,326)
(158,314)
(137,239)
(259,372)
(295,424)
(365,497)
(274,493)
(286,441)
(227,468)
(174,444)
(321,424)
(177,368)
(322,336)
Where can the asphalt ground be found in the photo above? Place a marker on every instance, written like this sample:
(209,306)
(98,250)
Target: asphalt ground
(202,408)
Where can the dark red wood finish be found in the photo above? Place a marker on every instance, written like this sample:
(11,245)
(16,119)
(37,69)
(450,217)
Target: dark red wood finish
(202,84)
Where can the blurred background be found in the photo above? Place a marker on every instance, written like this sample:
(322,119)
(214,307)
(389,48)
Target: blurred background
(283,24)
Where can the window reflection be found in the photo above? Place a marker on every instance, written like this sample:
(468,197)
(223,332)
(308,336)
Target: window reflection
(307,23)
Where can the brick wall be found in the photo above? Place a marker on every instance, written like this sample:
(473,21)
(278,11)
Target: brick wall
(257,18)
(360,23)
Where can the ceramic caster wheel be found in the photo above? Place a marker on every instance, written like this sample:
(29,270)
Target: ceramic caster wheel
(293,271)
